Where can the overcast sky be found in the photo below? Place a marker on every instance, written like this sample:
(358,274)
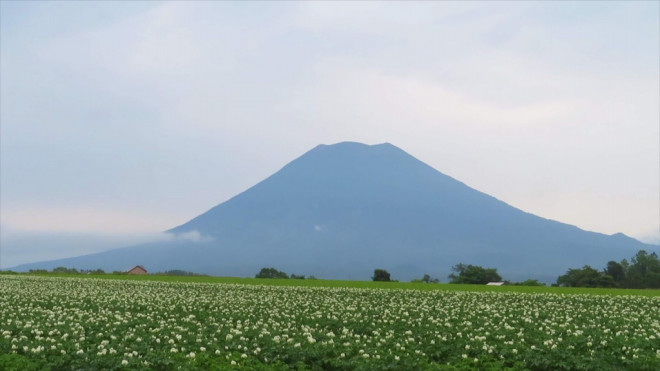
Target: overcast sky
(123,119)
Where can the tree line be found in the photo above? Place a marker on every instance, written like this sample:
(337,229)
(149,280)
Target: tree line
(642,272)
(274,273)
(65,270)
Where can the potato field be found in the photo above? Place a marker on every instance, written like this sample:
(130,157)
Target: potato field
(83,323)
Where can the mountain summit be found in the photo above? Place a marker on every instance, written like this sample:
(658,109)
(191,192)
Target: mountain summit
(341,210)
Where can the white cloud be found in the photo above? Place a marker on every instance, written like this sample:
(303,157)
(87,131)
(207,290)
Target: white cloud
(101,219)
(192,236)
(155,114)
(20,246)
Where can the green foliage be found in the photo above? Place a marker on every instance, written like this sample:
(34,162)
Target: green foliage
(172,323)
(643,272)
(65,270)
(93,271)
(585,277)
(528,282)
(271,273)
(179,272)
(473,274)
(381,275)
(426,279)
(617,271)
(18,362)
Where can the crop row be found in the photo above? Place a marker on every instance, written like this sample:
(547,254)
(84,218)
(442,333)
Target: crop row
(79,323)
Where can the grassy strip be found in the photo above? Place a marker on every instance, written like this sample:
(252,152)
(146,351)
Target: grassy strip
(369,284)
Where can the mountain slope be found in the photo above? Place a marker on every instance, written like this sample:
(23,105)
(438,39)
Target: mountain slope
(340,211)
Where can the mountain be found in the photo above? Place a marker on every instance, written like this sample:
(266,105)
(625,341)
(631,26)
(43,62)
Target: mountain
(342,210)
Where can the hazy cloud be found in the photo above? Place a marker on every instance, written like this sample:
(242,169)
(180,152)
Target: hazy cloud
(135,117)
(193,236)
(19,247)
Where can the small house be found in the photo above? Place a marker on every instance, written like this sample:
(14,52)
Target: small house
(495,284)
(138,269)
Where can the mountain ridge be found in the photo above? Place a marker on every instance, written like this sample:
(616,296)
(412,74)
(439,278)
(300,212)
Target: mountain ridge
(341,210)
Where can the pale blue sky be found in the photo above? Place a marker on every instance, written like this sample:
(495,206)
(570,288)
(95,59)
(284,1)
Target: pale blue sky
(128,118)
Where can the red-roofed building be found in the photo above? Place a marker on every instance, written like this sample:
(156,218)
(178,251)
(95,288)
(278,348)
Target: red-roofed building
(138,269)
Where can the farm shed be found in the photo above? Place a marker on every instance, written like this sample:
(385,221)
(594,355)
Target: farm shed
(138,269)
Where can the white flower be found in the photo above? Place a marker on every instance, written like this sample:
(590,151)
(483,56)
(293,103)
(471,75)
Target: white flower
(124,362)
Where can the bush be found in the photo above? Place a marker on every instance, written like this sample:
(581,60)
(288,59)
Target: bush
(381,275)
(271,273)
(179,272)
(586,277)
(65,270)
(528,282)
(473,274)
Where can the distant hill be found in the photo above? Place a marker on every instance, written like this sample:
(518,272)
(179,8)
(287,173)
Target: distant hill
(341,210)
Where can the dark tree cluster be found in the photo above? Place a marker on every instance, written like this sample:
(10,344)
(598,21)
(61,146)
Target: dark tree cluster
(271,273)
(642,272)
(274,273)
(381,275)
(474,274)
(65,270)
(429,279)
(179,272)
(528,282)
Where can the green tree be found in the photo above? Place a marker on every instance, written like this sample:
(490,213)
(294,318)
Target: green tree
(271,273)
(429,279)
(65,270)
(616,271)
(644,271)
(381,275)
(585,277)
(528,282)
(474,274)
